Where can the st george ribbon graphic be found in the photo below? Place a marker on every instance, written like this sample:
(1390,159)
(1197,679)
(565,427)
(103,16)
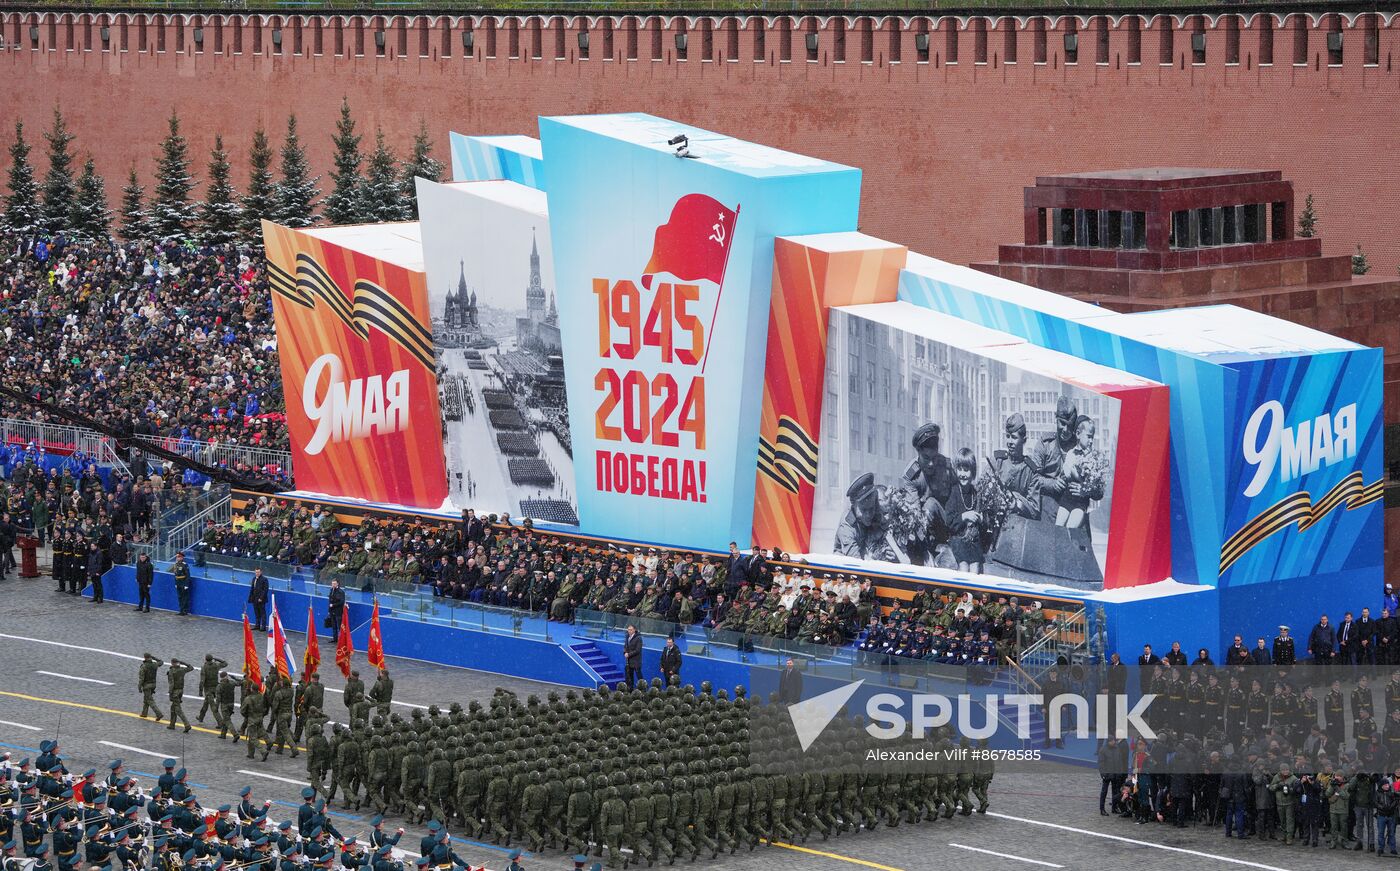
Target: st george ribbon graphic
(694,244)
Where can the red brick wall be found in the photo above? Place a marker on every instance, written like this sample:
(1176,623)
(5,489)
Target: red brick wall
(946,148)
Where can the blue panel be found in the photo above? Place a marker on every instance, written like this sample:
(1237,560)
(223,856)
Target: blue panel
(495,158)
(624,208)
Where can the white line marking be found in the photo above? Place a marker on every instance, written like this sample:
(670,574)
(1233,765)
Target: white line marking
(1124,840)
(135,750)
(20,726)
(71,646)
(105,683)
(372,704)
(1005,855)
(272,777)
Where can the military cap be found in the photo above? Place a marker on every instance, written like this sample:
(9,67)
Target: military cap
(123,781)
(46,745)
(189,856)
(245,792)
(308,793)
(421,862)
(580,860)
(1016,423)
(100,798)
(10,846)
(348,841)
(114,764)
(23,762)
(169,763)
(201,831)
(316,832)
(1065,408)
(378,820)
(861,488)
(225,808)
(925,434)
(91,772)
(514,854)
(284,825)
(327,858)
(168,818)
(294,849)
(180,775)
(384,850)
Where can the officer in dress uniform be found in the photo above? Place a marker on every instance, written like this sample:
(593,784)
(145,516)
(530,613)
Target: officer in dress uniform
(1283,648)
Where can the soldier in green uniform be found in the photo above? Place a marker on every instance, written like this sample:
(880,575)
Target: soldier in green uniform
(354,697)
(412,772)
(281,719)
(349,770)
(382,693)
(146,683)
(578,810)
(254,709)
(318,756)
(661,822)
(376,774)
(497,806)
(612,823)
(641,819)
(223,709)
(208,686)
(438,783)
(175,678)
(982,777)
(1286,790)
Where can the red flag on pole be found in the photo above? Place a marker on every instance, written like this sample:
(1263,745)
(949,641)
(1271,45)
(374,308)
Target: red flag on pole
(694,243)
(344,648)
(252,668)
(375,650)
(311,660)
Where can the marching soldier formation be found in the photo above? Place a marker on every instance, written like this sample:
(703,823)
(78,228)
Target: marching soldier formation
(653,775)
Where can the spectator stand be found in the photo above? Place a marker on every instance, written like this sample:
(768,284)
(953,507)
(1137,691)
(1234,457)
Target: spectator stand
(54,446)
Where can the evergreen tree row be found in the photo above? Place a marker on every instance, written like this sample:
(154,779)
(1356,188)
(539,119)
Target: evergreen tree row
(383,191)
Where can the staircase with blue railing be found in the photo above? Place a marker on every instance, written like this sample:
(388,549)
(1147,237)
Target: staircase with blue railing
(598,662)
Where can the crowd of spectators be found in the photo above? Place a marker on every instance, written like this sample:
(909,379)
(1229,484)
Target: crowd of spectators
(159,339)
(492,561)
(1284,739)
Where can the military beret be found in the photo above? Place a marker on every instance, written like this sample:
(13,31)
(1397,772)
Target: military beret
(1016,423)
(925,434)
(1065,408)
(861,487)
(245,792)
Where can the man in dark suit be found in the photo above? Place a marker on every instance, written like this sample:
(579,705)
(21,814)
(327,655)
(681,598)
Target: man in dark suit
(632,653)
(1115,684)
(670,661)
(145,576)
(1260,654)
(1146,663)
(257,597)
(1237,654)
(335,607)
(790,684)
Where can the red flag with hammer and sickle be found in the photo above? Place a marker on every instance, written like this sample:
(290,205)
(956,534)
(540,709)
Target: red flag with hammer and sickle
(694,243)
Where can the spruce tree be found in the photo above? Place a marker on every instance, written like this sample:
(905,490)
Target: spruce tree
(220,214)
(172,215)
(1359,264)
(22,211)
(134,224)
(345,205)
(261,200)
(58,184)
(295,193)
(90,219)
(420,164)
(383,193)
(1307,221)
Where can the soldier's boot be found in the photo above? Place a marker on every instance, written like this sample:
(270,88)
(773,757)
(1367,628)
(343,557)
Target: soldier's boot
(948,806)
(252,747)
(982,803)
(500,834)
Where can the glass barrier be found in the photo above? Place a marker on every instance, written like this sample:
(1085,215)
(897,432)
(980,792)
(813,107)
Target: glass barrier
(821,660)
